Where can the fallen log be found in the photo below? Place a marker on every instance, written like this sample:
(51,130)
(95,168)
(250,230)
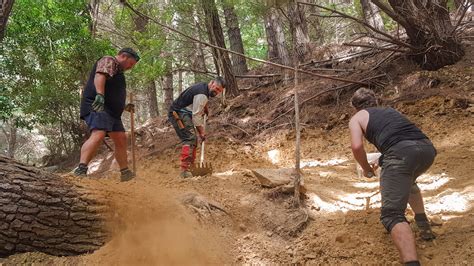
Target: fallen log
(44,212)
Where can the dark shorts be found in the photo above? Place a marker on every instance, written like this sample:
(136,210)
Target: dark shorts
(103,121)
(402,164)
(187,134)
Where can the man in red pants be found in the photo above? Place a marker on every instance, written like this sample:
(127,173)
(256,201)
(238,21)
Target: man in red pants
(187,112)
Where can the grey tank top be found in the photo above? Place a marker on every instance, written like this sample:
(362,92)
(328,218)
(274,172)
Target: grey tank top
(387,127)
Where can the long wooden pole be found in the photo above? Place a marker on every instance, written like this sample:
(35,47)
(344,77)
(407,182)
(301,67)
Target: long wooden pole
(297,183)
(132,134)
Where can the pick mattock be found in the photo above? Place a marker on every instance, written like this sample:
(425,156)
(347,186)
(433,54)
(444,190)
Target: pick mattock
(202,168)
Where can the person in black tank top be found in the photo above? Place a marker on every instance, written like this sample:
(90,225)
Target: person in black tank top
(102,104)
(406,154)
(186,114)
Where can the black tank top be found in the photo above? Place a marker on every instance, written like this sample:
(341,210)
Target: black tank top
(187,96)
(387,127)
(115,94)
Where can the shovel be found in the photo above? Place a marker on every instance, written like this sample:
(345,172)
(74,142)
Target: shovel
(202,168)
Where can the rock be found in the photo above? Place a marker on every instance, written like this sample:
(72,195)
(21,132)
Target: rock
(274,177)
(269,234)
(436,220)
(242,227)
(247,237)
(310,256)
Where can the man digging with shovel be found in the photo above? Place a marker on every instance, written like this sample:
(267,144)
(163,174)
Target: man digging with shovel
(187,115)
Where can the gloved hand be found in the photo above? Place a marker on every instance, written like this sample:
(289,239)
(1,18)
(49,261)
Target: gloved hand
(130,107)
(98,104)
(202,137)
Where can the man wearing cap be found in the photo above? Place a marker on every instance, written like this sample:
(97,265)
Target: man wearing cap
(102,104)
(187,112)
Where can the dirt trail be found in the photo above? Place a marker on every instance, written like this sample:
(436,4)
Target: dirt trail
(150,225)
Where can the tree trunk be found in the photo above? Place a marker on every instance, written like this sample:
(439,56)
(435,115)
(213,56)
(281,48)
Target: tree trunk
(299,29)
(10,131)
(217,38)
(180,81)
(168,86)
(199,61)
(429,29)
(371,14)
(272,53)
(239,63)
(153,109)
(94,7)
(5,9)
(43,212)
(282,49)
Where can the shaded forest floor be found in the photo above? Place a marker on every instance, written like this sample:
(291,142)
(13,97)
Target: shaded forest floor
(151,225)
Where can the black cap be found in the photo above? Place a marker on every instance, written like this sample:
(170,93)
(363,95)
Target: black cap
(131,52)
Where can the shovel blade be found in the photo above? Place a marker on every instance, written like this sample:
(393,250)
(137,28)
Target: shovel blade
(198,170)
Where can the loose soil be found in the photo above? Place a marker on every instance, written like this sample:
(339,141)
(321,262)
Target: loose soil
(151,225)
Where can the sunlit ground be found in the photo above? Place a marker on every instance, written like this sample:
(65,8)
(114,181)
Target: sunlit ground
(448,201)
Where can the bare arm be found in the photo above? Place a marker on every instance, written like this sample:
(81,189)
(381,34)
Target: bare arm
(99,82)
(199,103)
(357,142)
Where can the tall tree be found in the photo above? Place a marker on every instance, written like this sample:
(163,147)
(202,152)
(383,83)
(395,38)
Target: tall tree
(431,34)
(299,29)
(239,63)
(217,38)
(272,51)
(276,40)
(5,9)
(168,85)
(10,130)
(199,61)
(153,110)
(371,14)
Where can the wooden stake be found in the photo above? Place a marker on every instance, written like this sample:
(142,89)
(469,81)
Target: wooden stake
(297,183)
(132,135)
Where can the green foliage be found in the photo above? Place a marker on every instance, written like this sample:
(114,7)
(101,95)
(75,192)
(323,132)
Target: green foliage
(45,59)
(252,30)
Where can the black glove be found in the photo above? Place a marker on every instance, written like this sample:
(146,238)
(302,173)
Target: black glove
(130,107)
(98,104)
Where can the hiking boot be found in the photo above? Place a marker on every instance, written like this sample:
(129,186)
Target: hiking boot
(186,174)
(80,170)
(425,230)
(126,175)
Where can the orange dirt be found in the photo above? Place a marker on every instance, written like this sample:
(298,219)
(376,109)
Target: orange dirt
(151,226)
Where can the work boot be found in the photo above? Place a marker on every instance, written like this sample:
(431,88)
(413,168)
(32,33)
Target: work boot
(186,174)
(424,226)
(126,175)
(80,170)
